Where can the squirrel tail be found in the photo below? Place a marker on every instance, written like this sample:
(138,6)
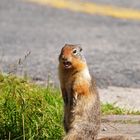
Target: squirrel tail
(119,137)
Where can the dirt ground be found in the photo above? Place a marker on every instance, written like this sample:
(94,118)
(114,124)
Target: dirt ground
(121,125)
(127,98)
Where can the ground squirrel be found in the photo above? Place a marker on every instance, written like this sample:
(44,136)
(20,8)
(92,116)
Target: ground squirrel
(80,96)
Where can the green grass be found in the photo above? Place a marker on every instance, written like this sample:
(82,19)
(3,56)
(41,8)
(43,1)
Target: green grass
(28,111)
(112,109)
(32,112)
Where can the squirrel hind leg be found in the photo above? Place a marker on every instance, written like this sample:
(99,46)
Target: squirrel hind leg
(72,136)
(119,137)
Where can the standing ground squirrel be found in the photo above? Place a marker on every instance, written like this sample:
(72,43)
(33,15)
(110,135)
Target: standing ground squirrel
(80,96)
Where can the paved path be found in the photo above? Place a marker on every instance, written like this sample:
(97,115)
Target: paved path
(111,45)
(92,8)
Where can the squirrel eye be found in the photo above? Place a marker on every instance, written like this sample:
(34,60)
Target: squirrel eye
(75,52)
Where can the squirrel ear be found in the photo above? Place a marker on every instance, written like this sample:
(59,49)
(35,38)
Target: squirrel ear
(79,46)
(80,49)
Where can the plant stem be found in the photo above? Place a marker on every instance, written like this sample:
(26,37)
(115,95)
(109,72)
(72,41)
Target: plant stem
(23,127)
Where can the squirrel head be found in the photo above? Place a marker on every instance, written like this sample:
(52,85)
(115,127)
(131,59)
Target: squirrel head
(71,57)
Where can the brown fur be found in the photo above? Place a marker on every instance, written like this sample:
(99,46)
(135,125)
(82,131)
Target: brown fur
(81,99)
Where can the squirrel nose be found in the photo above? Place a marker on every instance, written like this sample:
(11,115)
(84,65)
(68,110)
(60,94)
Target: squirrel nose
(64,58)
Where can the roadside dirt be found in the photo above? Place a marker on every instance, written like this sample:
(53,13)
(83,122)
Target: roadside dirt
(121,125)
(127,98)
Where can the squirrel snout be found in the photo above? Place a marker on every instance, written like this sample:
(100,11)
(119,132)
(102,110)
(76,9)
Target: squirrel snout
(66,62)
(65,59)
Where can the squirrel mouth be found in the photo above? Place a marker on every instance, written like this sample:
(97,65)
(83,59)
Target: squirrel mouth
(67,64)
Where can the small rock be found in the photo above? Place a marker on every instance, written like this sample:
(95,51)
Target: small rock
(104,129)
